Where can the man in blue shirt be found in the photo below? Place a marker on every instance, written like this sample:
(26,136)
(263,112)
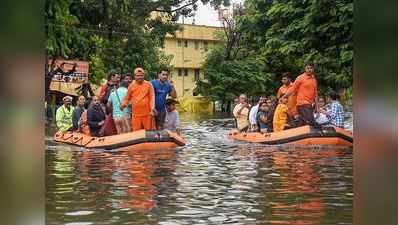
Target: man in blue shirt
(162,88)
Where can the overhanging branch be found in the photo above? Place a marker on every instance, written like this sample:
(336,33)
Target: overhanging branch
(177,9)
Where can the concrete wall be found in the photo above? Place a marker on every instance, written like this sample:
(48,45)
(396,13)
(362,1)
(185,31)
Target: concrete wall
(188,49)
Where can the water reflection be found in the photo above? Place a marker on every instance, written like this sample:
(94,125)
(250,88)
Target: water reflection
(212,180)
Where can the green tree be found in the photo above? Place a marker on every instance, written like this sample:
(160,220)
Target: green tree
(230,70)
(228,78)
(289,33)
(114,34)
(270,37)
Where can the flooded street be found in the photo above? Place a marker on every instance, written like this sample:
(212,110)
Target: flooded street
(212,180)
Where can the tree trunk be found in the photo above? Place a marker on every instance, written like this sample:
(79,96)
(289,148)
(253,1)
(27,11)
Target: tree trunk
(48,76)
(228,106)
(223,106)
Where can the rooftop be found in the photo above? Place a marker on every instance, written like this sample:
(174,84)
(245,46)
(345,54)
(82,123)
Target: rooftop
(197,32)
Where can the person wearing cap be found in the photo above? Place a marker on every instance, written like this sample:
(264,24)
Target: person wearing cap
(162,88)
(142,97)
(64,113)
(172,120)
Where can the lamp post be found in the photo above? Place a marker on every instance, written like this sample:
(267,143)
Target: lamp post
(183,59)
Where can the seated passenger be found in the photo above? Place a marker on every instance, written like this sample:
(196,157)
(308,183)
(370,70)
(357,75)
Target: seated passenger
(83,124)
(172,120)
(253,115)
(280,120)
(241,113)
(77,112)
(63,116)
(95,117)
(262,117)
(320,117)
(272,104)
(335,111)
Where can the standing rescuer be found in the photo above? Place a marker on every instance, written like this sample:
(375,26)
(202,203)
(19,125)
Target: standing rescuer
(64,113)
(162,88)
(141,95)
(306,88)
(286,84)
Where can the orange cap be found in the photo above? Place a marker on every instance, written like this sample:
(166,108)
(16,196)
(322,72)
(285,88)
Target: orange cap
(138,70)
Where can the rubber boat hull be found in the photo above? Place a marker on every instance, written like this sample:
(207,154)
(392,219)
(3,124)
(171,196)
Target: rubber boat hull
(140,139)
(305,135)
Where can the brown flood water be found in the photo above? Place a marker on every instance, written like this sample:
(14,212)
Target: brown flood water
(212,180)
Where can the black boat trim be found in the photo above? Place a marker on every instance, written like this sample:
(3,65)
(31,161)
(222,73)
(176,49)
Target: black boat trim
(314,133)
(150,137)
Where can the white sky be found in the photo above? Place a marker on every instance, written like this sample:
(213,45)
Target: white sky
(206,15)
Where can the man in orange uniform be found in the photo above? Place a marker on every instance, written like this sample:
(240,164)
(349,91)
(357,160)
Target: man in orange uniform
(291,102)
(142,97)
(306,88)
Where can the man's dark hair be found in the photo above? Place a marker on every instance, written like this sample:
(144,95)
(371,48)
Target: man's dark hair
(309,64)
(111,74)
(334,96)
(127,75)
(288,75)
(163,69)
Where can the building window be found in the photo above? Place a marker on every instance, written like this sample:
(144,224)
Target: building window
(186,43)
(196,45)
(179,43)
(206,45)
(205,76)
(179,72)
(197,74)
(186,72)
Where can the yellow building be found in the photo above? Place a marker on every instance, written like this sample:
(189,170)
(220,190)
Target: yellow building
(189,48)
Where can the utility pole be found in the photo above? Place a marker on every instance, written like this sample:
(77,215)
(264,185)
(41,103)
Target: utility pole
(183,59)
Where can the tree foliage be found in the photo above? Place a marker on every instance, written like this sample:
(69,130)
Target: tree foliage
(230,71)
(228,78)
(281,35)
(114,34)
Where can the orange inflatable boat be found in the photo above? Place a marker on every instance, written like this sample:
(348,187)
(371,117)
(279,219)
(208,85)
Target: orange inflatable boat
(305,135)
(140,139)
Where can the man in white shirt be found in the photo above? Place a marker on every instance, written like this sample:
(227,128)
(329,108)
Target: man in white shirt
(253,115)
(320,116)
(241,113)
